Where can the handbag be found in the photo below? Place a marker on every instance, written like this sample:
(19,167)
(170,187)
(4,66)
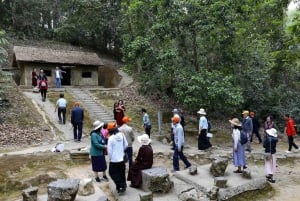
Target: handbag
(125,156)
(209,135)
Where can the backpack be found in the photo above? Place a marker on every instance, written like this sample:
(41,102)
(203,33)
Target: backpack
(43,84)
(243,137)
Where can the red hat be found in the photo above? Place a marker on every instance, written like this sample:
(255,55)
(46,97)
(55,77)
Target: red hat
(111,125)
(126,119)
(176,119)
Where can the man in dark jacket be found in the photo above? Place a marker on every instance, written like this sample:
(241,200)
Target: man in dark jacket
(77,117)
(256,126)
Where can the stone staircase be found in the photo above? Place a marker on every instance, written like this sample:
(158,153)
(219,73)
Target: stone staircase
(94,108)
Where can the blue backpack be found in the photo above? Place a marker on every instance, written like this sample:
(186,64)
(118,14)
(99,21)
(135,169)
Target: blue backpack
(243,137)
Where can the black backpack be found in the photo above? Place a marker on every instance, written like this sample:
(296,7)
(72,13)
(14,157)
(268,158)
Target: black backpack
(243,137)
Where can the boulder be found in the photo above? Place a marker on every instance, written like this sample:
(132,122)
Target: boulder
(30,194)
(220,182)
(193,170)
(63,190)
(86,187)
(218,167)
(213,193)
(156,179)
(192,195)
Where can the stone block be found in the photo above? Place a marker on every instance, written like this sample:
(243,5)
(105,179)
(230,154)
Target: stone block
(146,196)
(79,155)
(86,187)
(30,194)
(63,190)
(193,170)
(218,167)
(213,193)
(156,179)
(220,182)
(247,173)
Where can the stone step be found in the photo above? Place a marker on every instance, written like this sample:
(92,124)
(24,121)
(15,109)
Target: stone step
(93,107)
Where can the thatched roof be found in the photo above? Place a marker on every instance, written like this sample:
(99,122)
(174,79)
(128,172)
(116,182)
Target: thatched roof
(33,54)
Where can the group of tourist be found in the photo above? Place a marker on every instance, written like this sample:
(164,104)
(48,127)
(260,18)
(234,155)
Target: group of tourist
(40,81)
(250,126)
(116,142)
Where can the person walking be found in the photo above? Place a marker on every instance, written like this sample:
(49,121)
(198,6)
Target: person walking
(179,144)
(238,152)
(116,147)
(97,149)
(120,112)
(43,86)
(290,132)
(256,127)
(34,78)
(146,121)
(143,160)
(58,77)
(77,116)
(176,111)
(203,141)
(42,75)
(270,153)
(61,107)
(129,135)
(247,127)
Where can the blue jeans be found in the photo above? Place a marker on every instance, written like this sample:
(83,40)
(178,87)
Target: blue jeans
(58,82)
(176,157)
(129,153)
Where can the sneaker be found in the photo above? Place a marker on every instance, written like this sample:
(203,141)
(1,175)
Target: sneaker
(121,190)
(288,152)
(186,167)
(105,178)
(97,179)
(174,171)
(269,179)
(296,150)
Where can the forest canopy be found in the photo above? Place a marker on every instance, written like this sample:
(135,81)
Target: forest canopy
(222,55)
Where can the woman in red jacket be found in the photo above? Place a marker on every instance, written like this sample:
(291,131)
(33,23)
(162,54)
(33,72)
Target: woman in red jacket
(290,132)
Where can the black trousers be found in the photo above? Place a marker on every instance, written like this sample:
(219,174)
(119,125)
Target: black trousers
(292,143)
(44,94)
(62,114)
(117,173)
(257,135)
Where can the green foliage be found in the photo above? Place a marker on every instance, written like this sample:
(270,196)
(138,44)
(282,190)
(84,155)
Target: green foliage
(201,53)
(214,54)
(212,90)
(3,52)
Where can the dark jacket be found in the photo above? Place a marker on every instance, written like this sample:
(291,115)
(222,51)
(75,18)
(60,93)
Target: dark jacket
(270,144)
(256,125)
(77,115)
